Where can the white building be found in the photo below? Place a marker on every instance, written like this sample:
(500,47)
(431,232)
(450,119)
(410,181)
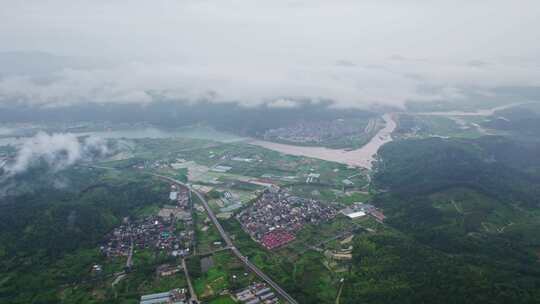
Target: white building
(356,214)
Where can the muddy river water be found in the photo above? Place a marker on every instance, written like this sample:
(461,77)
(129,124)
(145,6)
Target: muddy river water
(362,157)
(365,156)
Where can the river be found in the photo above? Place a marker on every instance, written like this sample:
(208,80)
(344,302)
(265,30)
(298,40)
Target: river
(139,133)
(482,112)
(365,156)
(362,157)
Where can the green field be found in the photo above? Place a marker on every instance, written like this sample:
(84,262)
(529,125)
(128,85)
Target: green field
(442,126)
(222,300)
(462,223)
(226,274)
(302,271)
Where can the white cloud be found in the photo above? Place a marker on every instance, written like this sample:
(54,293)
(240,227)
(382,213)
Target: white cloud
(58,150)
(282,103)
(256,51)
(387,82)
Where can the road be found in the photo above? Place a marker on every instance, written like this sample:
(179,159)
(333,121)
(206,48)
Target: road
(230,244)
(129,262)
(339,292)
(190,286)
(118,278)
(317,246)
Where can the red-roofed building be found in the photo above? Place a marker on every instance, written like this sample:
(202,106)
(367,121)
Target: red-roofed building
(378,215)
(276,238)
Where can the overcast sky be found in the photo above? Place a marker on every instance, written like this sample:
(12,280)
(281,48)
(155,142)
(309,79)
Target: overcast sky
(354,52)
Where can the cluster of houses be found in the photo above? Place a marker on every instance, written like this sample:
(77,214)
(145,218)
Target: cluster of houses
(181,196)
(255,294)
(276,238)
(175,296)
(156,164)
(312,178)
(314,132)
(151,232)
(167,270)
(275,217)
(157,232)
(229,202)
(118,242)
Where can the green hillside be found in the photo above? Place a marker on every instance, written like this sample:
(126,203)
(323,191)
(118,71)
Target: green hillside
(464,225)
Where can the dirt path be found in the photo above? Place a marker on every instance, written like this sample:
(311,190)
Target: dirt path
(339,293)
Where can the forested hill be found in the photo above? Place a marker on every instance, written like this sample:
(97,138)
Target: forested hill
(464,225)
(495,166)
(226,116)
(522,121)
(50,233)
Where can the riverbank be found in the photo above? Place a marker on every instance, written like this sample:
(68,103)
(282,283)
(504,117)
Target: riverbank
(362,157)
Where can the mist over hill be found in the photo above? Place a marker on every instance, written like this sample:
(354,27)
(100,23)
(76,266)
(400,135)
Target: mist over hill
(228,116)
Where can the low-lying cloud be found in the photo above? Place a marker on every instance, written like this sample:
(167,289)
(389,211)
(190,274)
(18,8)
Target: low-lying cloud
(58,151)
(356,53)
(388,82)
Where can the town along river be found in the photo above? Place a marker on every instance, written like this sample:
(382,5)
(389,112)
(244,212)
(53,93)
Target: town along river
(362,157)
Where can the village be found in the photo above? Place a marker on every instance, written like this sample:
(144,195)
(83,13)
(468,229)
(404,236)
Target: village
(257,293)
(276,216)
(317,132)
(272,213)
(175,296)
(157,232)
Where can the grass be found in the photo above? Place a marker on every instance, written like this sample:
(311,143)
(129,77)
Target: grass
(209,154)
(211,282)
(471,211)
(163,284)
(353,197)
(222,300)
(226,273)
(147,210)
(444,126)
(302,273)
(205,239)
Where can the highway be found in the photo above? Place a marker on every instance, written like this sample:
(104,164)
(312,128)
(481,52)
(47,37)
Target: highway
(230,244)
